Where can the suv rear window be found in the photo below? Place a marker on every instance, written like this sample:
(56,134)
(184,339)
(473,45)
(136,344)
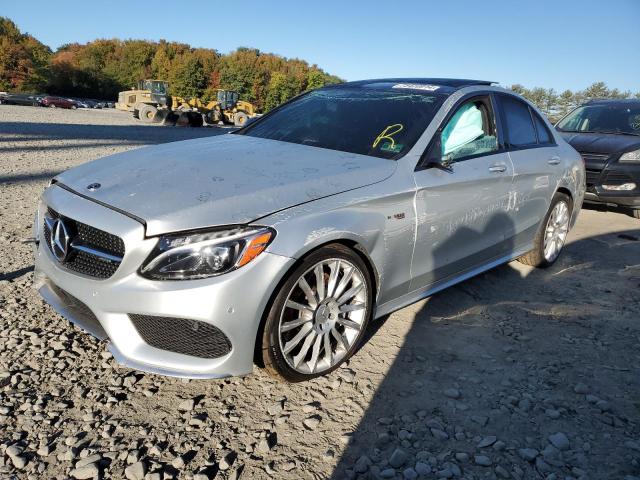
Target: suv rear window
(382,123)
(520,131)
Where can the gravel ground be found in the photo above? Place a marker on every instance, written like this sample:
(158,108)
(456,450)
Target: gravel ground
(517,373)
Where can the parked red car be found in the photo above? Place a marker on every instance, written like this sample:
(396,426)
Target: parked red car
(59,102)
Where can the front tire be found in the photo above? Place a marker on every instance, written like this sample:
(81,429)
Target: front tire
(318,316)
(552,233)
(148,113)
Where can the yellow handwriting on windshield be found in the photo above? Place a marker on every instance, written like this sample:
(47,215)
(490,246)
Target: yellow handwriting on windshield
(388,133)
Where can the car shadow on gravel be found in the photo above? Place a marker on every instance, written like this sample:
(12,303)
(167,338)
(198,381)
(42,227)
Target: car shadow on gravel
(16,273)
(599,207)
(28,177)
(99,134)
(488,369)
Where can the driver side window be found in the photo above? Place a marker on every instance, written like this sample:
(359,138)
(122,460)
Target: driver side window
(470,131)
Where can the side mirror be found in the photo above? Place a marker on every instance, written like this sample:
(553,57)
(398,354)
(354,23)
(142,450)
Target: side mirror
(435,158)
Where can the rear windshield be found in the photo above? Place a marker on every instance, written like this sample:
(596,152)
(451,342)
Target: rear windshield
(603,119)
(367,121)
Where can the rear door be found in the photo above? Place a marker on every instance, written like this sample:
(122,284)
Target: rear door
(536,164)
(462,211)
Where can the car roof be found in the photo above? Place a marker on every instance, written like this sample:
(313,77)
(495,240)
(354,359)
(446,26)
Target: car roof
(444,85)
(614,101)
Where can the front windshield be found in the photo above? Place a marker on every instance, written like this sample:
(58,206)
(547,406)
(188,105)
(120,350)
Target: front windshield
(367,121)
(156,86)
(613,118)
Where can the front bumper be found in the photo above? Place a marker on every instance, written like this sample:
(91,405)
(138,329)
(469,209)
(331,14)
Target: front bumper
(631,201)
(602,171)
(233,302)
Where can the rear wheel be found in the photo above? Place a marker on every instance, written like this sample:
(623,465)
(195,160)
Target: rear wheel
(552,234)
(319,315)
(240,118)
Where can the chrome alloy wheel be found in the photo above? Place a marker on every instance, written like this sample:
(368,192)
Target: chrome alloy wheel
(556,231)
(323,316)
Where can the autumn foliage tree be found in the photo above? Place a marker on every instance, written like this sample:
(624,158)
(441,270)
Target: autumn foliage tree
(23,59)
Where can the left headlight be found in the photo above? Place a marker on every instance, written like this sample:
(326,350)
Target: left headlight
(631,157)
(206,254)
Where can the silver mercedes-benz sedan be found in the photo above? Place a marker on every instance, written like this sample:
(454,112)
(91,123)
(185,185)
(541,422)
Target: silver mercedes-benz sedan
(278,243)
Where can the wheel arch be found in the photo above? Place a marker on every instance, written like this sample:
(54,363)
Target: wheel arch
(566,191)
(350,243)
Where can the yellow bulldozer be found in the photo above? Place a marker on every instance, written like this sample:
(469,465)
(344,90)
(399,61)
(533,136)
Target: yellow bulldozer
(151,103)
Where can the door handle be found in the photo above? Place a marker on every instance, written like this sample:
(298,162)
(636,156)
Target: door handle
(554,161)
(497,168)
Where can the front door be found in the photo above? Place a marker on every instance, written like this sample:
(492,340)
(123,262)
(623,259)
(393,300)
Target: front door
(462,212)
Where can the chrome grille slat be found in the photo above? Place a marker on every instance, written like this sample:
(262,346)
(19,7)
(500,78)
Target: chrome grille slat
(94,252)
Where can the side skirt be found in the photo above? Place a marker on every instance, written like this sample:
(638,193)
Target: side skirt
(424,292)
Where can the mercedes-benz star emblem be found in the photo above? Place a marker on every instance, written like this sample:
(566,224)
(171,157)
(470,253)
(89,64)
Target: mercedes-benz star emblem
(93,187)
(59,241)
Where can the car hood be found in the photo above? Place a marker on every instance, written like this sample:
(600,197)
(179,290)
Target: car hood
(601,142)
(222,180)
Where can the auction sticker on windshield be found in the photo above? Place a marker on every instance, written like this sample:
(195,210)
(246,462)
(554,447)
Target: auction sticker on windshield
(417,86)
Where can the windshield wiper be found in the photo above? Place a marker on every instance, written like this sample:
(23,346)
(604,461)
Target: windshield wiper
(617,132)
(606,132)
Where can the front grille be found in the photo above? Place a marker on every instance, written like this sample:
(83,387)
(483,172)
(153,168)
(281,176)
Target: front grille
(592,177)
(98,241)
(594,164)
(182,335)
(595,157)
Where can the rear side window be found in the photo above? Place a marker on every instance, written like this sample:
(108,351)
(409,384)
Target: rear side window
(544,137)
(520,131)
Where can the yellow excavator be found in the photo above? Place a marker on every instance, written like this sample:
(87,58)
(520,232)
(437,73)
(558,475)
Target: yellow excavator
(151,103)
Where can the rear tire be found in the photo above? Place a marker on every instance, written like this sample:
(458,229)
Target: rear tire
(551,234)
(240,118)
(312,327)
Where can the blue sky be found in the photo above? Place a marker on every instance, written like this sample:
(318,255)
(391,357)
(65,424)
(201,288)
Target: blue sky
(550,43)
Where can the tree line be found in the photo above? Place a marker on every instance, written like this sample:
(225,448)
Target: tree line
(102,68)
(556,105)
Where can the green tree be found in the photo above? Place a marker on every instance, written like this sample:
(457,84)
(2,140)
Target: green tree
(597,90)
(190,79)
(280,89)
(316,79)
